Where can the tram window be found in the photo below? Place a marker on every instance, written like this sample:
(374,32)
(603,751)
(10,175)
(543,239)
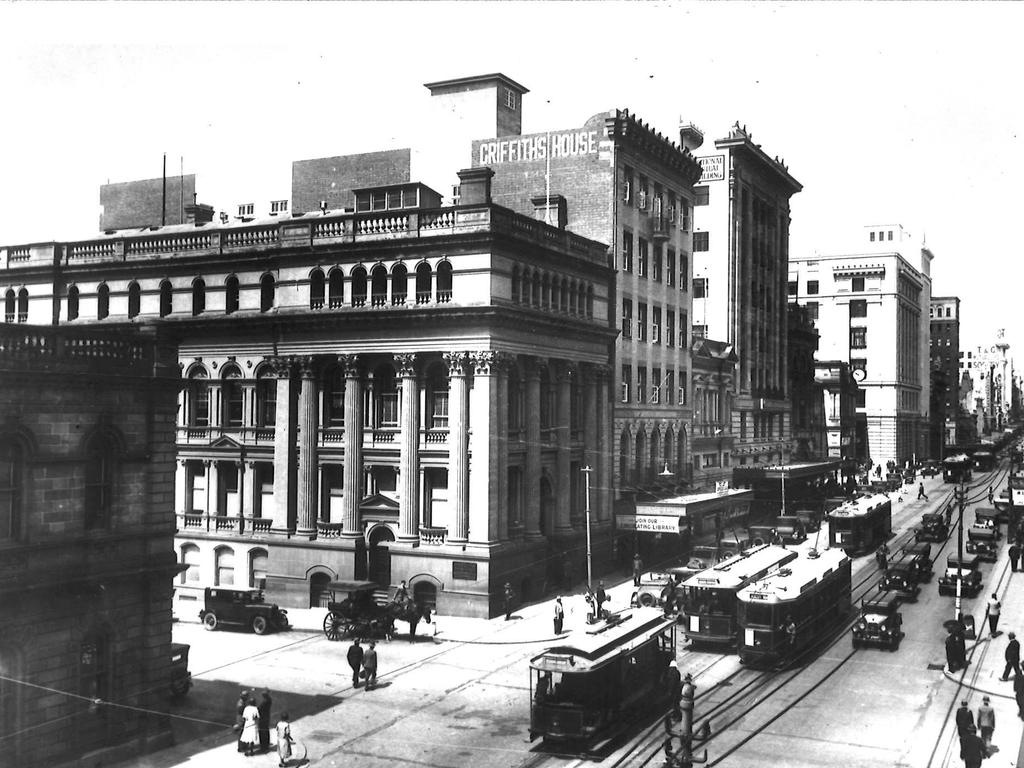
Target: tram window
(759,614)
(839,524)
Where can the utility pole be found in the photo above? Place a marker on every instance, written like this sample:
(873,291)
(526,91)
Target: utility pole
(586,472)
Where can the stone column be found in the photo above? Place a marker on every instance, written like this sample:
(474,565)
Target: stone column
(485,506)
(591,419)
(531,482)
(251,488)
(563,501)
(606,446)
(307,432)
(353,445)
(409,452)
(458,444)
(284,448)
(208,468)
(503,362)
(215,404)
(182,503)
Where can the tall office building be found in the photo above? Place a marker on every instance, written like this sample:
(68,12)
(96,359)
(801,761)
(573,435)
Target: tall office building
(944,319)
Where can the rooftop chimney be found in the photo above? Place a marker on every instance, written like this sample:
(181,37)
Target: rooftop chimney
(475,186)
(690,136)
(551,210)
(198,213)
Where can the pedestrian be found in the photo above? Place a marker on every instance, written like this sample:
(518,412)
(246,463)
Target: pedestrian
(602,596)
(1014,555)
(673,683)
(882,556)
(591,605)
(668,595)
(284,740)
(370,665)
(638,569)
(250,727)
(559,615)
(509,597)
(920,492)
(1012,657)
(964,719)
(990,494)
(961,645)
(355,660)
(952,653)
(986,721)
(264,727)
(1018,694)
(994,607)
(972,748)
(243,699)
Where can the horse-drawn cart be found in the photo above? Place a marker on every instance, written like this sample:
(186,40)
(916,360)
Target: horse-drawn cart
(360,615)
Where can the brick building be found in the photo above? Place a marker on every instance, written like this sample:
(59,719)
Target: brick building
(944,354)
(805,391)
(86,542)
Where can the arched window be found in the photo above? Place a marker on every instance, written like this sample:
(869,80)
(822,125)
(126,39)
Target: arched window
(266,397)
(444,282)
(100,454)
(334,397)
(316,289)
(358,287)
(232,397)
(399,284)
(385,393)
(198,398)
(424,279)
(102,301)
(258,569)
(336,289)
(12,486)
(134,299)
(667,457)
(224,576)
(590,301)
(94,682)
(379,286)
(23,305)
(73,303)
(166,293)
(10,306)
(190,559)
(563,299)
(267,293)
(581,299)
(231,295)
(535,300)
(624,459)
(638,458)
(198,296)
(545,291)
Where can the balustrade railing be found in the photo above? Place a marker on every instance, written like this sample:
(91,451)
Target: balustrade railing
(431,534)
(435,436)
(329,530)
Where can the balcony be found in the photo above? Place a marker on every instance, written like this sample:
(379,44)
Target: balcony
(430,534)
(200,522)
(329,530)
(660,228)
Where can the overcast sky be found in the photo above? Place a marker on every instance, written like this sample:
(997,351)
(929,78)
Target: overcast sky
(886,112)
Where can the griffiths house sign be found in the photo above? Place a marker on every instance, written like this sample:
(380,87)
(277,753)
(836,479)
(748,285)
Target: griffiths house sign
(519,149)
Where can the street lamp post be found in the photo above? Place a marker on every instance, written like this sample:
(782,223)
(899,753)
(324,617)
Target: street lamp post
(586,473)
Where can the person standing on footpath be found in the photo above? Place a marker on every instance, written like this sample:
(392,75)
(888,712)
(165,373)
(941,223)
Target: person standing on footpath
(370,665)
(355,660)
(1014,555)
(250,727)
(972,748)
(264,725)
(602,597)
(1012,656)
(986,721)
(994,606)
(243,699)
(638,569)
(284,740)
(920,492)
(1018,694)
(990,494)
(559,615)
(509,597)
(674,684)
(952,652)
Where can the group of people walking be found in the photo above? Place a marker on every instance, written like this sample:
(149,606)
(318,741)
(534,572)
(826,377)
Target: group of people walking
(253,723)
(363,663)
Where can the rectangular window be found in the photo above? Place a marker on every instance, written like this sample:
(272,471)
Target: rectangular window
(684,342)
(862,398)
(812,287)
(681,399)
(703,193)
(641,322)
(656,264)
(641,194)
(627,318)
(670,268)
(700,241)
(388,409)
(656,325)
(791,288)
(858,308)
(670,386)
(858,338)
(656,386)
(641,257)
(871,236)
(439,418)
(670,327)
(812,310)
(700,287)
(278,206)
(627,251)
(246,209)
(684,215)
(857,284)
(684,271)
(627,185)
(626,380)
(890,234)
(641,384)
(510,98)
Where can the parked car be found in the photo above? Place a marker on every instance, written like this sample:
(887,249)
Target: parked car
(790,529)
(967,570)
(983,543)
(919,557)
(181,678)
(986,517)
(933,528)
(241,607)
(900,579)
(810,518)
(931,468)
(880,623)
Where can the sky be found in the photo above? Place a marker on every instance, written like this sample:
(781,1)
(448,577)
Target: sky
(891,112)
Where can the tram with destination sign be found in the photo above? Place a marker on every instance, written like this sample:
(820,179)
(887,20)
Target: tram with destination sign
(709,597)
(957,469)
(791,609)
(984,461)
(597,681)
(862,525)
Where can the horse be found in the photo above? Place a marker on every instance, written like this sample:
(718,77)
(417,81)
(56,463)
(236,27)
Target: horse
(409,611)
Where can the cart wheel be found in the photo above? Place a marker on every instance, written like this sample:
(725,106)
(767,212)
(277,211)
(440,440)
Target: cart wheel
(334,629)
(210,621)
(259,625)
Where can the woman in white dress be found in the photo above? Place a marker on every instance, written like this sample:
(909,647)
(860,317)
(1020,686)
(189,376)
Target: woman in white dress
(250,727)
(284,740)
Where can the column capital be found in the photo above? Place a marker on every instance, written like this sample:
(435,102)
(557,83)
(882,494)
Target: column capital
(485,362)
(351,365)
(532,366)
(183,462)
(280,367)
(564,370)
(307,365)
(407,363)
(456,362)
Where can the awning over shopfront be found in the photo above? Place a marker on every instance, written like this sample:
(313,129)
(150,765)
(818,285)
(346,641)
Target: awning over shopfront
(796,471)
(688,512)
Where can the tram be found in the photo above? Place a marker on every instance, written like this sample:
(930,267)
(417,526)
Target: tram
(956,469)
(861,525)
(810,593)
(709,597)
(596,680)
(984,461)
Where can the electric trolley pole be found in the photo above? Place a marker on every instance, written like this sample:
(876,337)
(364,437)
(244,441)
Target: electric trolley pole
(959,493)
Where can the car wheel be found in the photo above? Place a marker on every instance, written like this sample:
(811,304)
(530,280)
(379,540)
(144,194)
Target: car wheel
(647,600)
(259,625)
(210,621)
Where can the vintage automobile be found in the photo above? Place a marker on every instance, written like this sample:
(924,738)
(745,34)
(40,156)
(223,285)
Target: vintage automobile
(966,570)
(181,678)
(931,468)
(880,623)
(919,558)
(762,534)
(933,528)
(900,579)
(790,528)
(909,476)
(983,543)
(986,517)
(241,607)
(894,481)
(810,518)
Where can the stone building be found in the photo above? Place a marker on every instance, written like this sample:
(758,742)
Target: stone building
(406,391)
(86,540)
(714,373)
(944,354)
(805,391)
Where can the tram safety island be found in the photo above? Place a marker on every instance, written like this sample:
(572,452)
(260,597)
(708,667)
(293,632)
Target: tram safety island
(862,525)
(597,681)
(790,610)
